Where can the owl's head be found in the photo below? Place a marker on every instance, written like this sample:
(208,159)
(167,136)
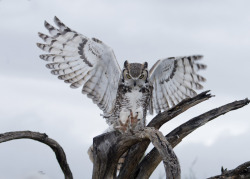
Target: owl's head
(135,74)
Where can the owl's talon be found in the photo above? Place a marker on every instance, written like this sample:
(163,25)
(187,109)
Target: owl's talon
(123,127)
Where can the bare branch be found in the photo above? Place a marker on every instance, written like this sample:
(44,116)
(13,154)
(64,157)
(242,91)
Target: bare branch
(137,151)
(146,168)
(43,138)
(109,147)
(242,171)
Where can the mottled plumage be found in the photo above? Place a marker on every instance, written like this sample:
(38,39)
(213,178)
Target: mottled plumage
(124,95)
(133,95)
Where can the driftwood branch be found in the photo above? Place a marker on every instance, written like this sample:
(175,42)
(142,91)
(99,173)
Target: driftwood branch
(242,171)
(108,148)
(60,155)
(137,151)
(146,168)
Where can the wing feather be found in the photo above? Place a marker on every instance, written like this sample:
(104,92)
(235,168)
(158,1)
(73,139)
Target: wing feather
(175,79)
(82,62)
(156,101)
(58,58)
(171,101)
(165,95)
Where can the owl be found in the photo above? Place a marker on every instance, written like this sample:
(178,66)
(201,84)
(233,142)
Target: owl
(124,95)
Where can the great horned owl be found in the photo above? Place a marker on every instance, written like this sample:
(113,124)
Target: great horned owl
(124,95)
(132,98)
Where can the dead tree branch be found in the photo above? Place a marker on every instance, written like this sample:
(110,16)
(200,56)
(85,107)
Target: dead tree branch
(108,148)
(146,168)
(60,155)
(242,171)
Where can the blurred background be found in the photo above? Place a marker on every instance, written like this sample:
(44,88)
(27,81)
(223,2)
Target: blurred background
(138,31)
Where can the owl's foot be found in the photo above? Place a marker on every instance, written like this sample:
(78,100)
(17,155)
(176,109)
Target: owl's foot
(123,127)
(129,125)
(133,120)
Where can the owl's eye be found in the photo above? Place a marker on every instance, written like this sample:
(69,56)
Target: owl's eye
(142,76)
(128,76)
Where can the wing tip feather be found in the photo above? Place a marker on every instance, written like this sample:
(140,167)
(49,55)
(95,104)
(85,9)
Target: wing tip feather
(42,57)
(198,57)
(201,66)
(39,45)
(54,72)
(40,34)
(56,18)
(46,24)
(73,87)
(57,21)
(49,66)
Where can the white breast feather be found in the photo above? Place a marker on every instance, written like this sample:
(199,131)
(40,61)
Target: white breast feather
(132,104)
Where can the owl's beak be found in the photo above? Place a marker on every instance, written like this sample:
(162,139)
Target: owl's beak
(134,83)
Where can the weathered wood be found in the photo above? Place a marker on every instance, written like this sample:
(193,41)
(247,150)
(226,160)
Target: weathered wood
(58,150)
(170,160)
(145,168)
(137,151)
(242,171)
(108,148)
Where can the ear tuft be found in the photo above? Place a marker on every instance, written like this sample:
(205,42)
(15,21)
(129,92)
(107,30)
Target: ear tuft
(145,65)
(126,64)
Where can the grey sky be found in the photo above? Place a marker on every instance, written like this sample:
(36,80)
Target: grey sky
(33,99)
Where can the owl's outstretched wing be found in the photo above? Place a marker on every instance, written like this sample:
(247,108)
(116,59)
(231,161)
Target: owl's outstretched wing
(174,79)
(82,62)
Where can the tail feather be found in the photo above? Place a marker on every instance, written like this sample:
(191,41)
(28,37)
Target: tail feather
(90,152)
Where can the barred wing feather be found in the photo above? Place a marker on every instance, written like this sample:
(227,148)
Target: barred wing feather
(174,79)
(82,62)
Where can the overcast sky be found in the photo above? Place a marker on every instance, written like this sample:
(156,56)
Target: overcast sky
(138,31)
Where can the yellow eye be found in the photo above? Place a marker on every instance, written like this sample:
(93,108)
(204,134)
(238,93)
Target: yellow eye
(142,76)
(128,76)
